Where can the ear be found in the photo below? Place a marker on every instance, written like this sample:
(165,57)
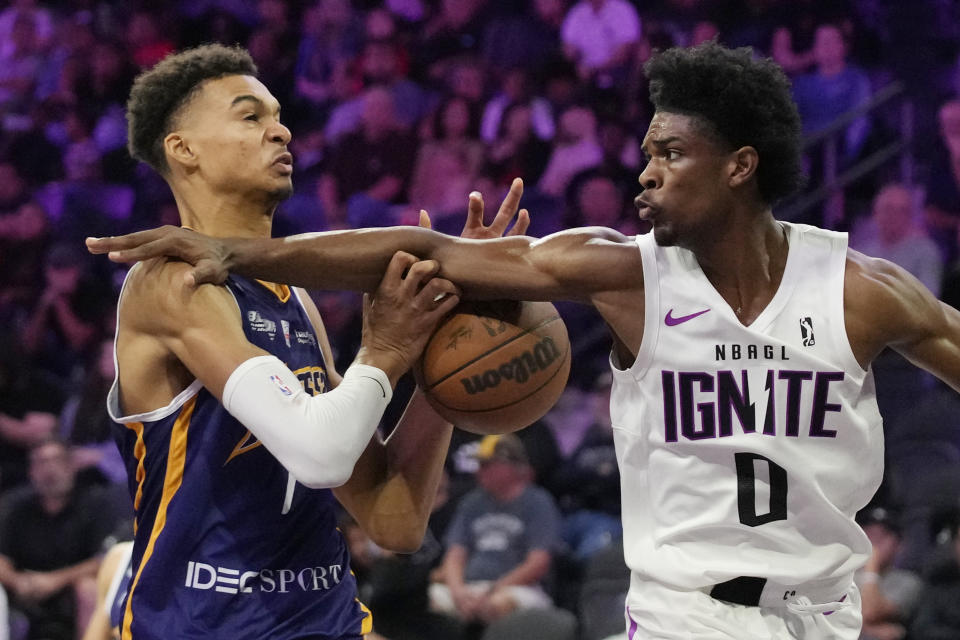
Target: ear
(179,151)
(743,166)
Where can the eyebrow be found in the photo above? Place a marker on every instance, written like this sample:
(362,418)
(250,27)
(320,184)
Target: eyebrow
(250,98)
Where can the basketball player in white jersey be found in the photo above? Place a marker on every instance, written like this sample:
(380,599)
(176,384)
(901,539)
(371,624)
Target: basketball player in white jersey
(743,405)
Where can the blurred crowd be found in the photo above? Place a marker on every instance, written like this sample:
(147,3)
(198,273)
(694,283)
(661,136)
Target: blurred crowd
(401,105)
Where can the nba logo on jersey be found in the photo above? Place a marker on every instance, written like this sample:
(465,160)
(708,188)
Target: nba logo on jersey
(284,389)
(806,332)
(286,331)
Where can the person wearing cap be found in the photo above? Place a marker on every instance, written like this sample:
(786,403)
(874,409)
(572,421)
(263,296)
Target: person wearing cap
(889,594)
(501,540)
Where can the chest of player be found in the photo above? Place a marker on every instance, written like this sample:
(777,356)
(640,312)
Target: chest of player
(277,323)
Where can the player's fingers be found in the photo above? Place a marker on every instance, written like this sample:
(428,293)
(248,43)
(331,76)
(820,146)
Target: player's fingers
(508,208)
(474,211)
(153,249)
(129,241)
(435,291)
(397,269)
(207,270)
(425,219)
(520,226)
(419,274)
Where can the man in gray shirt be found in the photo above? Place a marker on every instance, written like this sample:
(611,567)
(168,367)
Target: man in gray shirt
(501,540)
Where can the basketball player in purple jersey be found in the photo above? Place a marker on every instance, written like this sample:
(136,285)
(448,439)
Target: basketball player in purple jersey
(743,404)
(234,425)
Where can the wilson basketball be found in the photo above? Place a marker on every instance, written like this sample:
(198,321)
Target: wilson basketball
(495,367)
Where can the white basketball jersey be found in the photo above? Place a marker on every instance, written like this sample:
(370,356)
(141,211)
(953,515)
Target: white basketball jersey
(746,450)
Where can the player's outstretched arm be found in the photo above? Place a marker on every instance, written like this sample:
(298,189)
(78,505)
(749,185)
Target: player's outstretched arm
(568,265)
(885,306)
(317,438)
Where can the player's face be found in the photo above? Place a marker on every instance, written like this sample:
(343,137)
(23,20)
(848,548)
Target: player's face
(686,181)
(236,139)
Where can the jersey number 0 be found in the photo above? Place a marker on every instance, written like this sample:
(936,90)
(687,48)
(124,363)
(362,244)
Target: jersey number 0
(747,490)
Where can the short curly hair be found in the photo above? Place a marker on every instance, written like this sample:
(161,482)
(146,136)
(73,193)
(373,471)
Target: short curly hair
(746,101)
(159,93)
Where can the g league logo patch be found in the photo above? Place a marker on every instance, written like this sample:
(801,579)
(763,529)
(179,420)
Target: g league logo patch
(806,332)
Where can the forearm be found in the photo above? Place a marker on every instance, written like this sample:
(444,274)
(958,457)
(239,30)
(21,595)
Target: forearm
(394,484)
(8,573)
(68,575)
(453,566)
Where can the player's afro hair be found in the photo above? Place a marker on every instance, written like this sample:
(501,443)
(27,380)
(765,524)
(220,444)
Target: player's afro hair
(159,93)
(745,100)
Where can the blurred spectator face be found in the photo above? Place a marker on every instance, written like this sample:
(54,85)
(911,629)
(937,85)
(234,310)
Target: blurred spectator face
(702,32)
(460,12)
(380,62)
(106,62)
(892,212)
(550,11)
(599,202)
(380,25)
(949,117)
(576,124)
(378,110)
(517,122)
(466,81)
(82,162)
(262,46)
(142,29)
(497,477)
(51,471)
(12,186)
(455,119)
(335,12)
(885,542)
(273,14)
(829,50)
(31,222)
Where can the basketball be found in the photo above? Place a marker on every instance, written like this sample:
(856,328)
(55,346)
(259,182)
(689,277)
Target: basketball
(495,367)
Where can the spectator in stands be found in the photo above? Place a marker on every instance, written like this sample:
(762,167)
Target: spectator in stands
(65,319)
(515,88)
(85,424)
(146,40)
(332,35)
(369,169)
(832,89)
(575,149)
(455,30)
(943,185)
(517,151)
(895,234)
(889,595)
(599,37)
(51,536)
(501,542)
(24,235)
(587,483)
(19,69)
(447,164)
(938,616)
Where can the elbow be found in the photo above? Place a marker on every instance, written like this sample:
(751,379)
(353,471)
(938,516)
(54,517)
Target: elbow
(321,475)
(400,539)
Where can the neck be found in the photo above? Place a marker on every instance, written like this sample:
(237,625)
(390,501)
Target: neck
(235,214)
(745,261)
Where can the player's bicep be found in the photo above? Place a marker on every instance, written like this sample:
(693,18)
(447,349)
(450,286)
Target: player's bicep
(904,315)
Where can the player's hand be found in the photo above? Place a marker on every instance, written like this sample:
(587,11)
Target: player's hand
(474,227)
(400,316)
(210,257)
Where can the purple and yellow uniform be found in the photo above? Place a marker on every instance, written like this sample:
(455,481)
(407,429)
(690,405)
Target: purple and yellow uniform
(227,544)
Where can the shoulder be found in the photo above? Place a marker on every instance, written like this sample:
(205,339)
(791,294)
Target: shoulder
(886,300)
(157,294)
(539,496)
